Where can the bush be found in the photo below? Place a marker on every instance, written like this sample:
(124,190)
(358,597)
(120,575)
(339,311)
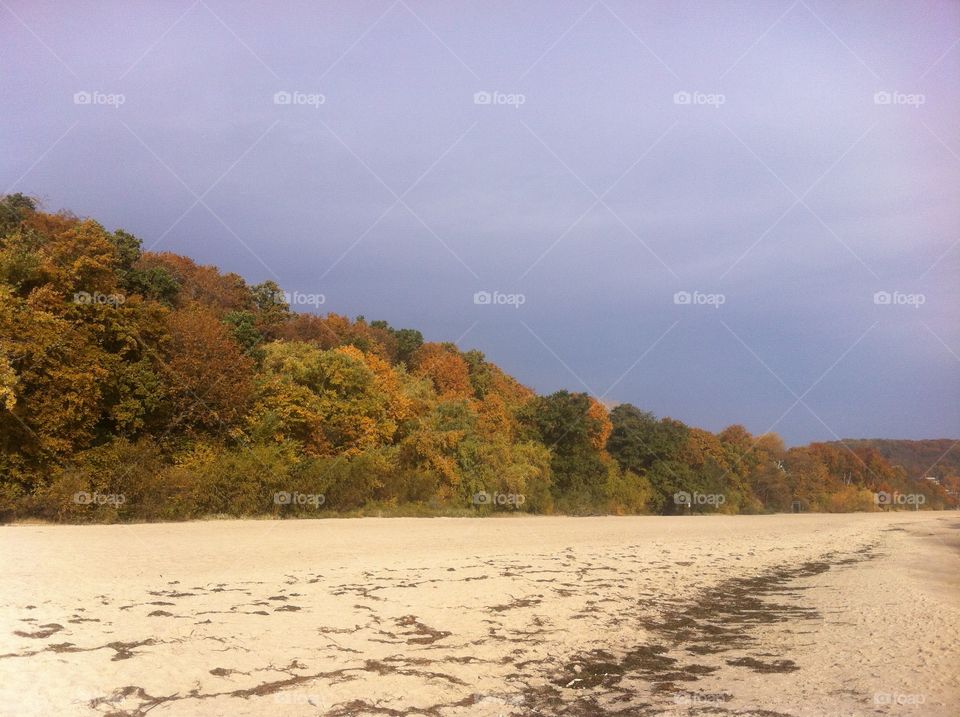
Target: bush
(628,493)
(119,480)
(849,499)
(409,486)
(345,483)
(13,497)
(242,481)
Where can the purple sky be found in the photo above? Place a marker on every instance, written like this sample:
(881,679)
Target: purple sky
(816,163)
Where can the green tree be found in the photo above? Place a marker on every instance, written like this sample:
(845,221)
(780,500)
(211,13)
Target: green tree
(243,326)
(638,439)
(567,424)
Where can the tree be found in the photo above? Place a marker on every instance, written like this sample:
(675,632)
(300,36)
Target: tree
(446,368)
(55,375)
(208,376)
(270,306)
(570,426)
(335,401)
(638,439)
(14,208)
(408,341)
(243,327)
(204,285)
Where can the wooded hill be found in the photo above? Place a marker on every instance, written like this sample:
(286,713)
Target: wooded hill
(142,386)
(939,457)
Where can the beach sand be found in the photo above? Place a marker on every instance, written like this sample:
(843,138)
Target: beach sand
(855,614)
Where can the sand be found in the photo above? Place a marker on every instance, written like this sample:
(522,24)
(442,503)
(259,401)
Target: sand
(751,615)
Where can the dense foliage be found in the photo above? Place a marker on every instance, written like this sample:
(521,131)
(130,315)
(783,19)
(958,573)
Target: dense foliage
(137,385)
(938,457)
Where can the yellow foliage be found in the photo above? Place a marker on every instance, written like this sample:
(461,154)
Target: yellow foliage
(598,412)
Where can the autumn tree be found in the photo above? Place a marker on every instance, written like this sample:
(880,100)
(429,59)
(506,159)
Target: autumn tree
(445,367)
(334,401)
(208,377)
(204,285)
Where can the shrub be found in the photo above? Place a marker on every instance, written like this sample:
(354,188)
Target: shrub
(849,499)
(628,492)
(240,481)
(119,480)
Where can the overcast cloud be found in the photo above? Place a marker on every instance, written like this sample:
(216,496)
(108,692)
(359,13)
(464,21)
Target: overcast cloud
(779,162)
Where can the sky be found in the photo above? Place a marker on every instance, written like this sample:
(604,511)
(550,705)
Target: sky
(739,212)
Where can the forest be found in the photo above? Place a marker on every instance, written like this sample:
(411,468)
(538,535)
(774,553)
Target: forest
(138,386)
(937,457)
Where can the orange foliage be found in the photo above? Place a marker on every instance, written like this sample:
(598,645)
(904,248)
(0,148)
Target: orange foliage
(703,446)
(444,366)
(601,419)
(309,328)
(210,378)
(220,293)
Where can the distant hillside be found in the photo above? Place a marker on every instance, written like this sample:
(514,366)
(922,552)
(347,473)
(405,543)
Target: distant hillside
(937,457)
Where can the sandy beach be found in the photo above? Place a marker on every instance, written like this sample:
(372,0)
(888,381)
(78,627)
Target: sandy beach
(855,614)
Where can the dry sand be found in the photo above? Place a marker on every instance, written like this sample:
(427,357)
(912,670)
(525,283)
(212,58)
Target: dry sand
(751,615)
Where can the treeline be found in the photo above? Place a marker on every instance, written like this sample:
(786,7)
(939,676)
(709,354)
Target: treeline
(141,386)
(939,457)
